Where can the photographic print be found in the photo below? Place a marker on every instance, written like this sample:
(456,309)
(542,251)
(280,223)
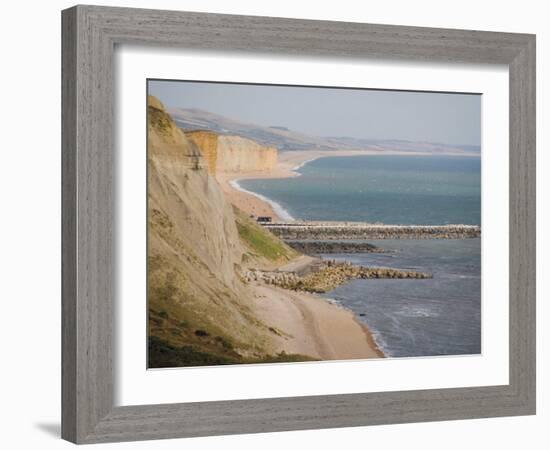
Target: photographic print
(293,224)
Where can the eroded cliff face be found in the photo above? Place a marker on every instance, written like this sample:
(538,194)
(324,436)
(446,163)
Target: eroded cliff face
(233,154)
(207,142)
(195,293)
(237,154)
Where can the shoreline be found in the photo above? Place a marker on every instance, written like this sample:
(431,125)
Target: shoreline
(311,325)
(371,340)
(278,211)
(256,204)
(289,162)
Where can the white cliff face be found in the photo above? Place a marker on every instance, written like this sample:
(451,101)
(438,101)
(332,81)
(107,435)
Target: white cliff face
(233,154)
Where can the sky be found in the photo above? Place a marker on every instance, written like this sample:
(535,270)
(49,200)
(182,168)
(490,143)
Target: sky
(319,111)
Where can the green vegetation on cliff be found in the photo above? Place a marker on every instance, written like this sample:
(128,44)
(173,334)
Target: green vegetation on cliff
(261,242)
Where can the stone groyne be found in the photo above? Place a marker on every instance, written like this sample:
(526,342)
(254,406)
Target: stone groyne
(340,231)
(328,276)
(327,247)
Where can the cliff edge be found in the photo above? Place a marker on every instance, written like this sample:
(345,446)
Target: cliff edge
(199,309)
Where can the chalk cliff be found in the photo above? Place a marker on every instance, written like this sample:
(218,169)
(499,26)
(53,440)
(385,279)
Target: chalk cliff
(232,154)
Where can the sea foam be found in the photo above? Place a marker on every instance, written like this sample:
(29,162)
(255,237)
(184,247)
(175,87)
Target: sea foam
(282,213)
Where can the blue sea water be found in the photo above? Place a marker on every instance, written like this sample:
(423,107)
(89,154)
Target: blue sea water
(427,190)
(439,316)
(408,317)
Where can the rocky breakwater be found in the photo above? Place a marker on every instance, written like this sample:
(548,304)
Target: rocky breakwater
(327,247)
(232,154)
(326,231)
(330,275)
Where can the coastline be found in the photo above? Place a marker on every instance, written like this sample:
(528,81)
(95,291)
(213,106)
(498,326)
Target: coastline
(272,207)
(258,205)
(311,325)
(371,340)
(305,323)
(287,167)
(289,162)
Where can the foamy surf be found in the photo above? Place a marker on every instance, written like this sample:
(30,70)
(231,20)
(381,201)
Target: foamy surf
(282,213)
(302,164)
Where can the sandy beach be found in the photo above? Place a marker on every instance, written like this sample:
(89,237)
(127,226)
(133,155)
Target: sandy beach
(309,325)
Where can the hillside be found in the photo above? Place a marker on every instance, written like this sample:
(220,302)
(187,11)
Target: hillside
(285,139)
(279,137)
(200,310)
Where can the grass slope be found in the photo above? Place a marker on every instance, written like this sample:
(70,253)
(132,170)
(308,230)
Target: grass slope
(260,242)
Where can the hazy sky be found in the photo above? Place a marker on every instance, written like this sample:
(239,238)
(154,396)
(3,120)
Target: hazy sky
(358,113)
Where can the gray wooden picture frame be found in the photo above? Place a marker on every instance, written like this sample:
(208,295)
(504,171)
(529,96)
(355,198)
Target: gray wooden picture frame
(90,34)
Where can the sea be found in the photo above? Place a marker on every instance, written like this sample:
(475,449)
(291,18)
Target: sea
(408,318)
(431,317)
(388,189)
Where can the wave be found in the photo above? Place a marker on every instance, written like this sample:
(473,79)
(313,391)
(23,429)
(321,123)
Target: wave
(282,213)
(379,342)
(302,164)
(376,336)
